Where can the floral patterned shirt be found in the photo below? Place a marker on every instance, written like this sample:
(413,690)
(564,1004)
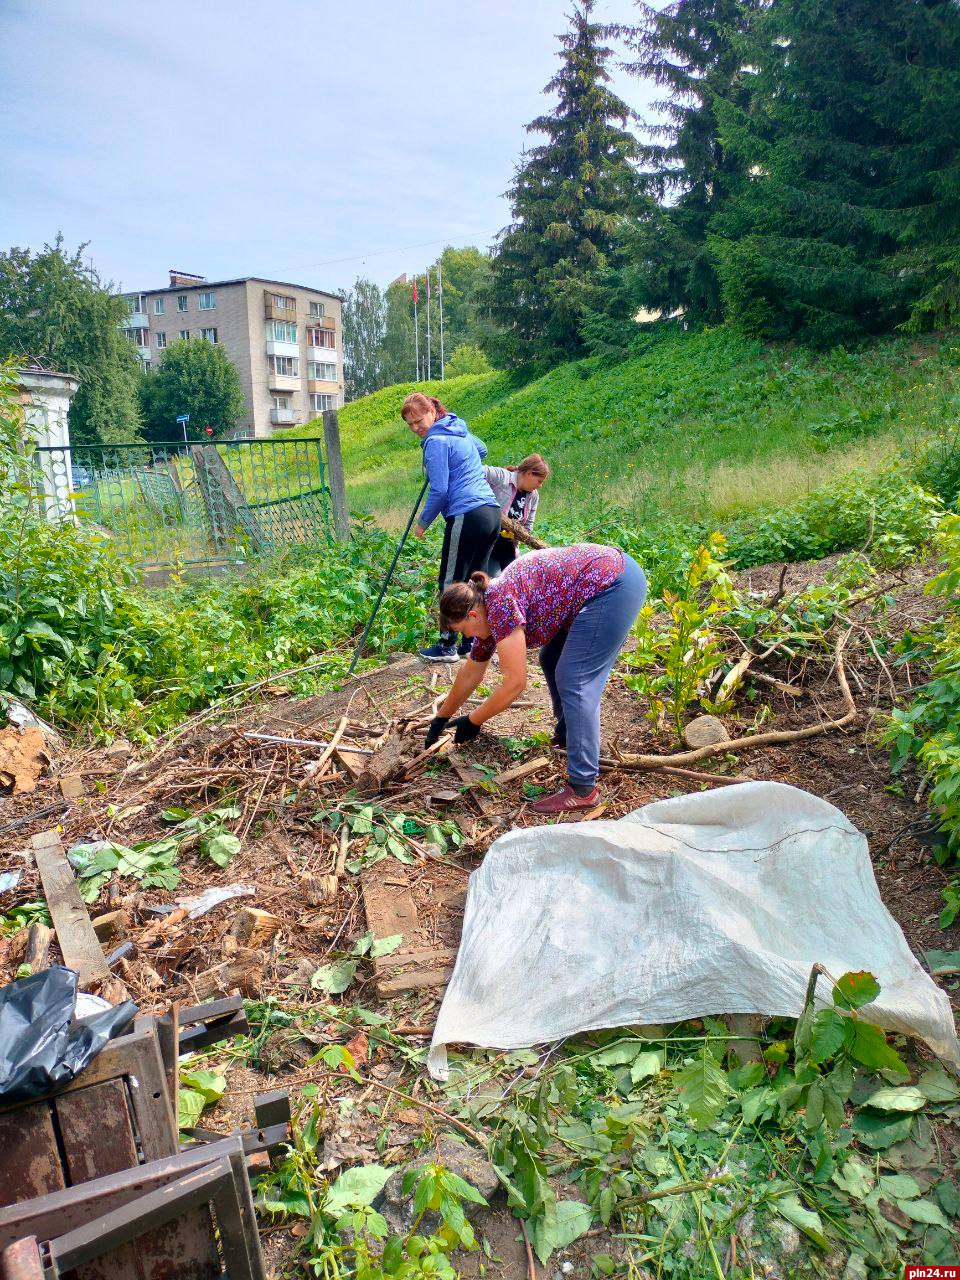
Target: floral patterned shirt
(544,591)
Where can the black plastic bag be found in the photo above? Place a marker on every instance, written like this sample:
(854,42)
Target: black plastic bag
(41,1047)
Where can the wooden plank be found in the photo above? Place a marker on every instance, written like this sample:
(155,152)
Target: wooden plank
(431,956)
(388,902)
(36,1168)
(75,936)
(96,1132)
(417,978)
(152,1108)
(522,770)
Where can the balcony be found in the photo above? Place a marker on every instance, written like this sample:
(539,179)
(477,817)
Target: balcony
(275,348)
(272,312)
(325,322)
(283,417)
(317,386)
(144,353)
(135,320)
(322,355)
(283,382)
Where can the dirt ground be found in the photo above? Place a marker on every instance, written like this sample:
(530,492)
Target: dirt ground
(282,846)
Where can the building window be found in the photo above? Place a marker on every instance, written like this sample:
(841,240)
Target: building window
(139,337)
(161,341)
(282,302)
(316,311)
(281,331)
(323,372)
(209,334)
(208,301)
(285,366)
(136,304)
(319,403)
(281,402)
(318,337)
(183,335)
(146,366)
(181,302)
(158,306)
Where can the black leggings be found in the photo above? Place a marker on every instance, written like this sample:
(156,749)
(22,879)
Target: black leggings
(467,543)
(504,552)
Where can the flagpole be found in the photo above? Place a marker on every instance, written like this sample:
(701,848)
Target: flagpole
(440,299)
(429,365)
(416,333)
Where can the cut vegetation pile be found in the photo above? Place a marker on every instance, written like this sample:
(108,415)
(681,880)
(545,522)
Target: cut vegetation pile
(705,1149)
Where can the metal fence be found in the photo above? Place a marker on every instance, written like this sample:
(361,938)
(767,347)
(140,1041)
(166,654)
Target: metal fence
(172,503)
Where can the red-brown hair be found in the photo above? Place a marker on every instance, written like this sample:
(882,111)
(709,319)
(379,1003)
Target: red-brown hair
(460,597)
(532,465)
(417,400)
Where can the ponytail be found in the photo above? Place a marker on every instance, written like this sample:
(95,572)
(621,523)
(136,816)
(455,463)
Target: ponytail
(417,400)
(460,597)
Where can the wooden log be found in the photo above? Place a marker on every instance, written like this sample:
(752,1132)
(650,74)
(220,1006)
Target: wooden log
(112,924)
(382,767)
(254,928)
(521,533)
(242,970)
(522,770)
(38,947)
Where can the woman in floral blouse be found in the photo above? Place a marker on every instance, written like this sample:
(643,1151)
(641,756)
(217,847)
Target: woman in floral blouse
(577,605)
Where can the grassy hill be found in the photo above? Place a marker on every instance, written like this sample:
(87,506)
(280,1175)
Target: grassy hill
(706,426)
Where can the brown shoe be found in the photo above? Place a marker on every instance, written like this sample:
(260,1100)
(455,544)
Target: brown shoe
(565,801)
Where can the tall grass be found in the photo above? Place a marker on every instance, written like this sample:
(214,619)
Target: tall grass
(702,426)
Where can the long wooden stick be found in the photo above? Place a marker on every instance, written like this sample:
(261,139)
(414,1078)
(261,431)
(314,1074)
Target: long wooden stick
(521,533)
(752,741)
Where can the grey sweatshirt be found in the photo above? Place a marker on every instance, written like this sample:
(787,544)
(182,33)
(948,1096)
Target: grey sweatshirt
(504,485)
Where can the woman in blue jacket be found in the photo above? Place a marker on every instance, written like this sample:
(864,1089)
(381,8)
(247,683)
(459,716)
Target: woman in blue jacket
(453,461)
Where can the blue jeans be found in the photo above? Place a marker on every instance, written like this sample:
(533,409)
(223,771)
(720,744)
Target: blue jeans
(577,664)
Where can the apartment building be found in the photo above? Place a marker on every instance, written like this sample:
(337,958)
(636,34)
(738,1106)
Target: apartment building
(286,341)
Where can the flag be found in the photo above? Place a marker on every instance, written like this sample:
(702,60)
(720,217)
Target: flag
(415,298)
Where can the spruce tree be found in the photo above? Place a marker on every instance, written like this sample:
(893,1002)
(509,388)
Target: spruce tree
(850,217)
(691,49)
(567,197)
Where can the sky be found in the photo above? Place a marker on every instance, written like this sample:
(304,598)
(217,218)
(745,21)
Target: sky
(305,142)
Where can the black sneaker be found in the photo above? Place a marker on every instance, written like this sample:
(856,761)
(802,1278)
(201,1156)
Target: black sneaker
(465,645)
(440,652)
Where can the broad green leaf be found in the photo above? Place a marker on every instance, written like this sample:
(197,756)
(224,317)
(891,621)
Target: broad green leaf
(385,946)
(357,1186)
(568,1220)
(363,943)
(190,1104)
(287,1201)
(927,1211)
(334,978)
(175,815)
(211,1085)
(949,1197)
(937,1086)
(854,990)
(905,1098)
(807,1220)
(645,1065)
(758,1103)
(617,1055)
(362,822)
(703,1089)
(881,1131)
(828,1033)
(898,1186)
(854,1177)
(223,848)
(871,1050)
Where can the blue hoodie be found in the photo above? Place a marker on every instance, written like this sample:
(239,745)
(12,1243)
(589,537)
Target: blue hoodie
(452,459)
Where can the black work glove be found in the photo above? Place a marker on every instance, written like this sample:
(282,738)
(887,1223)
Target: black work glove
(466,730)
(437,726)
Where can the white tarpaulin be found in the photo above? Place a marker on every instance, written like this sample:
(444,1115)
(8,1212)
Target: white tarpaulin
(715,903)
